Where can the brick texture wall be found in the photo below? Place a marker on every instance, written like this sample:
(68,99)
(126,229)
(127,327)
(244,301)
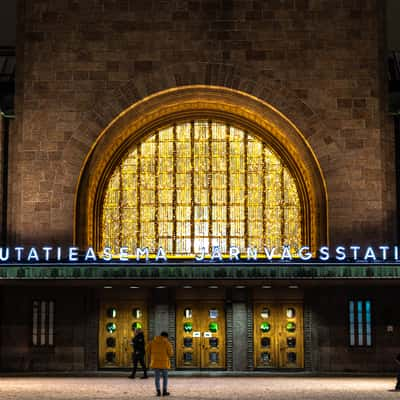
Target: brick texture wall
(80,63)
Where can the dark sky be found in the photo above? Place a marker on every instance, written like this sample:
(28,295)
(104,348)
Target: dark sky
(8,13)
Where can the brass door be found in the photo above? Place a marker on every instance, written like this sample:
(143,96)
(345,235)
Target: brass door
(200,335)
(118,319)
(278,335)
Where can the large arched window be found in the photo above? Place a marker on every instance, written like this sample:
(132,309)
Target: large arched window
(199,184)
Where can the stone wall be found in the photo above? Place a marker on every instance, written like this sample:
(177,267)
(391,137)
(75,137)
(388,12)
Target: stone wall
(7,131)
(318,62)
(331,350)
(70,330)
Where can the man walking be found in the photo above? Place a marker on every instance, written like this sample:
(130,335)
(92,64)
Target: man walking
(160,351)
(397,359)
(139,353)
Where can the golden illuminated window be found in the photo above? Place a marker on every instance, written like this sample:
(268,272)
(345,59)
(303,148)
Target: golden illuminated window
(201,184)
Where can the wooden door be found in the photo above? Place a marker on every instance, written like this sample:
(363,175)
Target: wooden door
(213,335)
(291,338)
(200,335)
(278,335)
(118,320)
(188,335)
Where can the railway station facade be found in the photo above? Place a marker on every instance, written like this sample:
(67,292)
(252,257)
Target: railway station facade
(221,170)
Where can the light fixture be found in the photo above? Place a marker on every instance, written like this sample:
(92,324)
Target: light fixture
(160,287)
(187,287)
(240,287)
(213,287)
(293,286)
(266,287)
(134,287)
(107,287)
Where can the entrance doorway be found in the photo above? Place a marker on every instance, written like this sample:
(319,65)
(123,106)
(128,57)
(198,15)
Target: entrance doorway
(118,320)
(278,335)
(200,335)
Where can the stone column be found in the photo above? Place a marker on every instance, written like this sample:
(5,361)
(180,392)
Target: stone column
(161,318)
(239,336)
(163,315)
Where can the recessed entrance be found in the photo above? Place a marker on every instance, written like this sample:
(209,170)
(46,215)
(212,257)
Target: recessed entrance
(278,335)
(118,320)
(200,335)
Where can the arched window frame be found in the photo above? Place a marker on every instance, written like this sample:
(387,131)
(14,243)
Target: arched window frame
(236,211)
(199,102)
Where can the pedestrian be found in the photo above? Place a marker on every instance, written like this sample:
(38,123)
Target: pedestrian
(160,351)
(139,353)
(397,359)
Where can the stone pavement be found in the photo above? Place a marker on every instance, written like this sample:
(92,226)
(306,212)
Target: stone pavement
(191,388)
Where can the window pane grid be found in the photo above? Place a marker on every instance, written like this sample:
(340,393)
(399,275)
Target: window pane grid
(360,333)
(42,323)
(368,323)
(351,320)
(201,184)
(360,322)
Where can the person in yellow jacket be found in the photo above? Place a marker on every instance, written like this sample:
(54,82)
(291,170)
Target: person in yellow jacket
(160,352)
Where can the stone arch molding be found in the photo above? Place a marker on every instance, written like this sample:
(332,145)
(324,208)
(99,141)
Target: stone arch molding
(195,101)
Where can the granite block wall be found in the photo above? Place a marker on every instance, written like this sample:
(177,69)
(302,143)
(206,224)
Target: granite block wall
(81,63)
(330,330)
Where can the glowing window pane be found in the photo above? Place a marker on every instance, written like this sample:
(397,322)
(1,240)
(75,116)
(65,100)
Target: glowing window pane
(290,312)
(351,323)
(265,327)
(213,327)
(136,325)
(265,313)
(368,323)
(290,327)
(112,312)
(199,184)
(360,323)
(111,327)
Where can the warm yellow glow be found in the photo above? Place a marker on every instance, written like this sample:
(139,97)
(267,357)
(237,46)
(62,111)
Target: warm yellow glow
(201,184)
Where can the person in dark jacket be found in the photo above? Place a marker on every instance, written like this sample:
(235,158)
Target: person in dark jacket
(139,353)
(397,359)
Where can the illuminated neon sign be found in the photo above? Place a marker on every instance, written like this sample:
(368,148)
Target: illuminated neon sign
(73,254)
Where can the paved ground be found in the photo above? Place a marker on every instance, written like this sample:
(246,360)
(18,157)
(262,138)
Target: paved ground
(271,388)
